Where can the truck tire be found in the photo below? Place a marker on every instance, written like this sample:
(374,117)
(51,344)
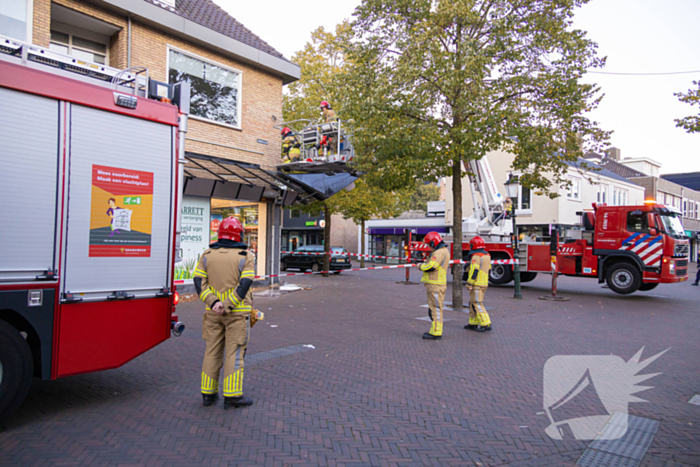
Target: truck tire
(16,369)
(623,278)
(648,286)
(501,274)
(527,276)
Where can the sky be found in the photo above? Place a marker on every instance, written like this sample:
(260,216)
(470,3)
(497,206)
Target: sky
(637,36)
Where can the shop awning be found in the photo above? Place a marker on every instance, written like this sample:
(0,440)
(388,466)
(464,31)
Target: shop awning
(216,177)
(322,185)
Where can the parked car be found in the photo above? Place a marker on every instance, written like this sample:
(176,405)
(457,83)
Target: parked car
(296,260)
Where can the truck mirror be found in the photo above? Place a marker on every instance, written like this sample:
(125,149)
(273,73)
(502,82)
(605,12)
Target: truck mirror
(653,232)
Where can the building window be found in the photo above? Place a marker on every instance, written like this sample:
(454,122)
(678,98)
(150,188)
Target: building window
(215,89)
(685,208)
(602,194)
(619,197)
(78,47)
(523,203)
(13,19)
(573,191)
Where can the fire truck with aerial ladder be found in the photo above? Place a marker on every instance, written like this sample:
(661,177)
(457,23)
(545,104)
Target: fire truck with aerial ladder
(630,248)
(92,166)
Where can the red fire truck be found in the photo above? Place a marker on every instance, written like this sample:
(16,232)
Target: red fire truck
(629,247)
(88,226)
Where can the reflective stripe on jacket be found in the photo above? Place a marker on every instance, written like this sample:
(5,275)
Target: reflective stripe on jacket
(435,269)
(479,268)
(221,271)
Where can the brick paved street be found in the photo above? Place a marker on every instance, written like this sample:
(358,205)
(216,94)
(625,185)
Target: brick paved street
(372,392)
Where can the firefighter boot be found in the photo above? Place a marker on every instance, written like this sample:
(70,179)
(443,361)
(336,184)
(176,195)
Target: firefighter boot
(429,336)
(471,327)
(209,399)
(235,402)
(483,328)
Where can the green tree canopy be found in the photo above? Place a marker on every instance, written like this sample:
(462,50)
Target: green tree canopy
(439,82)
(691,124)
(422,194)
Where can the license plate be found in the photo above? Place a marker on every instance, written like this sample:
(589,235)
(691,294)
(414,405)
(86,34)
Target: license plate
(341,260)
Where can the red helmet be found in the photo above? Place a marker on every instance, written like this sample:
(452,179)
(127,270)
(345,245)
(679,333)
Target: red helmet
(477,243)
(433,239)
(286,130)
(231,229)
(325,104)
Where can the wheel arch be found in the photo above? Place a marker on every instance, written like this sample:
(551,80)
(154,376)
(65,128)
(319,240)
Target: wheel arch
(22,325)
(607,261)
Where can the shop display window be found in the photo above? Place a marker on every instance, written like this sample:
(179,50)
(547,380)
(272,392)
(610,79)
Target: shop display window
(246,212)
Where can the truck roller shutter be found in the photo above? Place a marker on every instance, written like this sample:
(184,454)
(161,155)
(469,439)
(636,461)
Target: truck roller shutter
(99,260)
(29,144)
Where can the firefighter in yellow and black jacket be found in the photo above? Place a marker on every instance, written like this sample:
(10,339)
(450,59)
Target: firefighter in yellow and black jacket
(435,279)
(291,147)
(222,279)
(477,283)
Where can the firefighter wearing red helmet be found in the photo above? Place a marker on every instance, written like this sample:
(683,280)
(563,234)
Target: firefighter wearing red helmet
(477,283)
(222,279)
(328,113)
(435,279)
(291,147)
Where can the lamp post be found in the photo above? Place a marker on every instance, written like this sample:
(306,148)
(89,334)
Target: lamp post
(513,189)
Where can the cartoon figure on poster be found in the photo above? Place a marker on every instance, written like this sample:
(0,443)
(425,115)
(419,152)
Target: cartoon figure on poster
(121,218)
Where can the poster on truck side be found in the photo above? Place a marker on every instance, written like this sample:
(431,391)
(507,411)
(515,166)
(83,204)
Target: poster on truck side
(121,212)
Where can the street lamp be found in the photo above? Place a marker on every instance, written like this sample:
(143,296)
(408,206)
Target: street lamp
(513,189)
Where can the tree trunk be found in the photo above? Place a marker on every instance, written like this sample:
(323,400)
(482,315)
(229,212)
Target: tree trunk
(327,241)
(362,241)
(457,300)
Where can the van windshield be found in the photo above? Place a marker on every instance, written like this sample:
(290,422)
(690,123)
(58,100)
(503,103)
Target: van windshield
(672,225)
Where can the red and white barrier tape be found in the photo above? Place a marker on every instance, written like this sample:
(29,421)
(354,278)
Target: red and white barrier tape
(344,254)
(396,266)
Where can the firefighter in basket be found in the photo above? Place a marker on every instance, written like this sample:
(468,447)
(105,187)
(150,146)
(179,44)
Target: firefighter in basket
(222,279)
(435,278)
(477,283)
(291,147)
(328,113)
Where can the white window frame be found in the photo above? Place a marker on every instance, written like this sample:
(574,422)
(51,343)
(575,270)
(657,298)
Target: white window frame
(574,189)
(28,27)
(239,117)
(83,34)
(604,190)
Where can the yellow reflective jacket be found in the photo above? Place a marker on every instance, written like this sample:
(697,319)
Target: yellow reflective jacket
(221,270)
(435,269)
(479,268)
(291,148)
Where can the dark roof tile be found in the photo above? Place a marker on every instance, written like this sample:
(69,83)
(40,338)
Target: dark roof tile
(206,13)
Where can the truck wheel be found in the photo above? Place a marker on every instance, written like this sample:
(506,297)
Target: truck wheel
(315,267)
(527,276)
(16,369)
(648,286)
(500,274)
(623,278)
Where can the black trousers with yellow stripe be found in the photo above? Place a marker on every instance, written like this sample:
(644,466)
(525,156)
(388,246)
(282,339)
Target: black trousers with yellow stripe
(229,333)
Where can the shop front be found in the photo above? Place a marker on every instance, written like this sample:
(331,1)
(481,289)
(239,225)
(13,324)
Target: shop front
(390,241)
(200,223)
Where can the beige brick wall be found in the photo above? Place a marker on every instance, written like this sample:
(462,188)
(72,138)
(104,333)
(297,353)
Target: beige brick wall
(261,92)
(261,95)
